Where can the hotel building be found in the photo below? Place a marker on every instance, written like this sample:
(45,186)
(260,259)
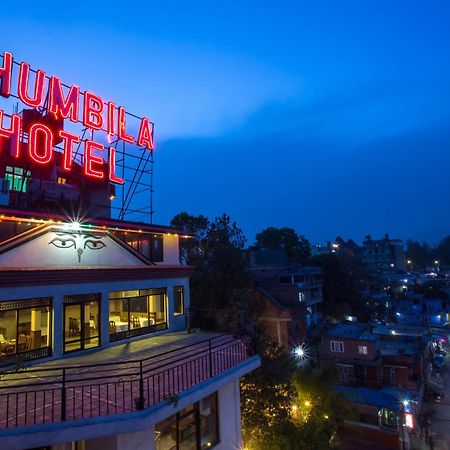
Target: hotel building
(94,352)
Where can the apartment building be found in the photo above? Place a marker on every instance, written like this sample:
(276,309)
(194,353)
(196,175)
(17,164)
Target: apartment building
(382,375)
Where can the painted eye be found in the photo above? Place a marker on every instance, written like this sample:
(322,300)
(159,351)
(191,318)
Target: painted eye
(63,243)
(94,245)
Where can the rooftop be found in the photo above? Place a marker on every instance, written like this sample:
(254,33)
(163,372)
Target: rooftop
(387,397)
(131,376)
(352,330)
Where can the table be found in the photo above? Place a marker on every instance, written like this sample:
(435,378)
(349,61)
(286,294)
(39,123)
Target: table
(144,322)
(121,326)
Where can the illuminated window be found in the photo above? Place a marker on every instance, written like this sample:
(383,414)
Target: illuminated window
(62,180)
(193,428)
(25,328)
(134,313)
(18,178)
(337,346)
(362,349)
(178,299)
(388,418)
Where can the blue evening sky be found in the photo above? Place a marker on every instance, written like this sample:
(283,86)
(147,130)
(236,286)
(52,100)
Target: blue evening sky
(330,117)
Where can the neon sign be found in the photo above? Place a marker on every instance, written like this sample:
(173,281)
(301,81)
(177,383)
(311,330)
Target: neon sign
(87,108)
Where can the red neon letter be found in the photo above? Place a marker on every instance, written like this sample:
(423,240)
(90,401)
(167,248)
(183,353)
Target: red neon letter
(93,108)
(65,107)
(13,133)
(90,159)
(112,167)
(33,144)
(121,131)
(110,127)
(69,139)
(24,76)
(145,137)
(5,74)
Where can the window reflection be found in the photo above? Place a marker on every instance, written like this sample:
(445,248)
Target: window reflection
(138,309)
(193,428)
(23,329)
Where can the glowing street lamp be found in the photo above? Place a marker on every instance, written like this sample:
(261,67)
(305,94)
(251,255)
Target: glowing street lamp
(301,353)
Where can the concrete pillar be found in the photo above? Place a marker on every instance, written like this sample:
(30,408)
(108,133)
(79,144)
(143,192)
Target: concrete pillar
(58,326)
(230,416)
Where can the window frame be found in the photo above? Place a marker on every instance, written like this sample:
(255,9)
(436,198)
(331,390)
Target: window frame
(182,302)
(362,350)
(337,346)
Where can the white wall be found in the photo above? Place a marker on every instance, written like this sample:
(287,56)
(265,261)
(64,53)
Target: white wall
(65,249)
(229,417)
(171,249)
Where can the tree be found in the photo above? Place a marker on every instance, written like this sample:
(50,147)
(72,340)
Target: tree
(345,278)
(297,248)
(442,251)
(190,248)
(220,279)
(289,408)
(420,255)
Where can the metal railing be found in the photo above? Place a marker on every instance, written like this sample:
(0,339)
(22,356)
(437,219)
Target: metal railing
(39,396)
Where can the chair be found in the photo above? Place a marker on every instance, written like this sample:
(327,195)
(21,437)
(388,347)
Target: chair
(112,326)
(74,329)
(135,322)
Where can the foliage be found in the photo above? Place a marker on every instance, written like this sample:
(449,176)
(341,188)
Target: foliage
(423,255)
(297,247)
(442,251)
(419,254)
(190,248)
(266,392)
(220,279)
(290,408)
(345,278)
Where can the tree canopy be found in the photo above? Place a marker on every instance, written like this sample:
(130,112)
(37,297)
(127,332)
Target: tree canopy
(297,247)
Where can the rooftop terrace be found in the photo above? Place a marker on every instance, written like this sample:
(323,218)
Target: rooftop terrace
(120,379)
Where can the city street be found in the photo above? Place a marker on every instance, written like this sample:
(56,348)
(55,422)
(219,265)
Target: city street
(440,424)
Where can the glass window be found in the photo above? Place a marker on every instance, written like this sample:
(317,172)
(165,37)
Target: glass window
(18,178)
(178,299)
(166,434)
(362,349)
(193,428)
(388,418)
(149,245)
(209,430)
(337,346)
(343,373)
(143,310)
(24,330)
(81,322)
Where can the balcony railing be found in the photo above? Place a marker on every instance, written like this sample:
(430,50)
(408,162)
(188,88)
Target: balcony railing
(48,395)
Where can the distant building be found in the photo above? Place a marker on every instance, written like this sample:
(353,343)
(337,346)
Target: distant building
(384,255)
(292,295)
(381,374)
(418,310)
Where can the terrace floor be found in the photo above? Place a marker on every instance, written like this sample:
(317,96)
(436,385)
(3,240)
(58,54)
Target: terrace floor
(120,379)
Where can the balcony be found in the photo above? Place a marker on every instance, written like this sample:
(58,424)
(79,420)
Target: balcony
(131,377)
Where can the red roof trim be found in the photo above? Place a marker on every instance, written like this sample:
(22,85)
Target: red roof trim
(13,276)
